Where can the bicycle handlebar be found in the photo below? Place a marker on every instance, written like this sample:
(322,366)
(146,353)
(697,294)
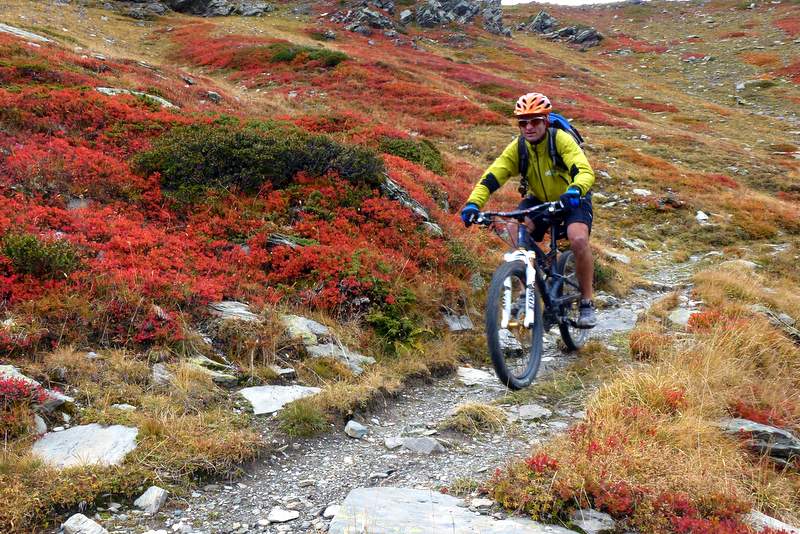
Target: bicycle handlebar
(486,218)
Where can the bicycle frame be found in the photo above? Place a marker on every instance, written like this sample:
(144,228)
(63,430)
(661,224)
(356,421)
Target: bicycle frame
(539,272)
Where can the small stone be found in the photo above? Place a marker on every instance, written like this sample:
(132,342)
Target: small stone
(40,426)
(616,256)
(355,429)
(263,522)
(124,407)
(393,442)
(680,317)
(80,524)
(642,192)
(307,483)
(424,445)
(331,511)
(151,500)
(530,412)
(482,503)
(592,521)
(701,217)
(214,97)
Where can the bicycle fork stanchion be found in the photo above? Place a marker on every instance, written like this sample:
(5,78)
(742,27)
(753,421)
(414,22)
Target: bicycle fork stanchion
(528,258)
(506,316)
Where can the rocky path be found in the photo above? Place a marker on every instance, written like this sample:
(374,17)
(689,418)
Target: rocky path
(297,486)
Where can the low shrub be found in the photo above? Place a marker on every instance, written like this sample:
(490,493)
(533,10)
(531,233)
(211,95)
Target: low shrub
(38,257)
(192,159)
(423,152)
(288,52)
(16,399)
(472,418)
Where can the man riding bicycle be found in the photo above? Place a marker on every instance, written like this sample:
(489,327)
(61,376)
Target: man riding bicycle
(545,181)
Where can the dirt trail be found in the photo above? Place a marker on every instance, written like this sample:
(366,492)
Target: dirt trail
(308,475)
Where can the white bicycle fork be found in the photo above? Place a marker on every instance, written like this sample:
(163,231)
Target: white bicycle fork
(527,257)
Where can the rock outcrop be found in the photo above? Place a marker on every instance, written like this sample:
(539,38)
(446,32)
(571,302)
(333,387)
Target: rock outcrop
(145,9)
(432,13)
(547,25)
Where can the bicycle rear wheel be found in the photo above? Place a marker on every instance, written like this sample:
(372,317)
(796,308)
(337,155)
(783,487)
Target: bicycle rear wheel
(516,351)
(574,337)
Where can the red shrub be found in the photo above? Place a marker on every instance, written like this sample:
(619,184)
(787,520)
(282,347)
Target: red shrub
(540,463)
(791,25)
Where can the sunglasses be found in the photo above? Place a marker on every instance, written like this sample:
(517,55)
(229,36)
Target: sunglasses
(534,122)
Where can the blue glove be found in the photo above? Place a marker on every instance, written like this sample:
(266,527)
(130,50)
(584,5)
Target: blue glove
(469,213)
(572,197)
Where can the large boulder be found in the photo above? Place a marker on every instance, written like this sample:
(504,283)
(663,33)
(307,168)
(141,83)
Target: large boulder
(218,8)
(543,22)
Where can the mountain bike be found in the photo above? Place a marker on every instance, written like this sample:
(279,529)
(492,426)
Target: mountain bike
(530,292)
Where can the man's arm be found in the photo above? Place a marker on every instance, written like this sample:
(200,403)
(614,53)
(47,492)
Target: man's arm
(498,173)
(577,165)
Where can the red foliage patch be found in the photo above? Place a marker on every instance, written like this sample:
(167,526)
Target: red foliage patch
(636,45)
(791,25)
(540,463)
(650,106)
(791,71)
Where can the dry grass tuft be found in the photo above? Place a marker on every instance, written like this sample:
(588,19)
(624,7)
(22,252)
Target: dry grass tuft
(474,418)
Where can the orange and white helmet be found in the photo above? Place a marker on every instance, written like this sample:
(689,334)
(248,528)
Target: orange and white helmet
(533,104)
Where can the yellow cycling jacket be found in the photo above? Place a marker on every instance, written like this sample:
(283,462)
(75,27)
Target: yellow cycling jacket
(546,182)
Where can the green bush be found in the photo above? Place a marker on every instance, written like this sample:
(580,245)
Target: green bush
(192,159)
(287,52)
(303,418)
(423,152)
(43,259)
(503,108)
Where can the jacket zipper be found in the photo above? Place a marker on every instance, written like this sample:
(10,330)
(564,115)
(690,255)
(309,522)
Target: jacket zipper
(539,173)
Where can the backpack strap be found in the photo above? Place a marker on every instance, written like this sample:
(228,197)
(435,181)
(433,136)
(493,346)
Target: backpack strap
(552,150)
(522,151)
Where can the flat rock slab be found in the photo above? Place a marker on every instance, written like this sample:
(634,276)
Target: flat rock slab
(470,376)
(760,521)
(113,91)
(384,510)
(269,399)
(593,522)
(353,360)
(86,445)
(530,412)
(5,28)
(231,309)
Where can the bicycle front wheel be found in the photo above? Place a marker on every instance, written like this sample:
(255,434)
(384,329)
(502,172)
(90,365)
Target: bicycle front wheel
(574,338)
(516,351)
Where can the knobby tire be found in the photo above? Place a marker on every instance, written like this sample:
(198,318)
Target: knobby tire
(533,336)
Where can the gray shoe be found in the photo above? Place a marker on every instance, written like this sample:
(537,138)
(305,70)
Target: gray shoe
(587,318)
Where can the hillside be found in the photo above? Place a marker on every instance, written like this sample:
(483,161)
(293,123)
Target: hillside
(180,195)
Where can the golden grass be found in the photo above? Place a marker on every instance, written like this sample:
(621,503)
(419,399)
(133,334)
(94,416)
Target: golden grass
(474,418)
(652,427)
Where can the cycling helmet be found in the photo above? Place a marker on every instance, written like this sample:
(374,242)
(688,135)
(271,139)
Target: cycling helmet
(532,104)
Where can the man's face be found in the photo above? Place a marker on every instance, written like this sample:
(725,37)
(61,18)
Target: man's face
(532,127)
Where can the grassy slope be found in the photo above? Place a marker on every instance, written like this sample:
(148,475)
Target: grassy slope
(454,96)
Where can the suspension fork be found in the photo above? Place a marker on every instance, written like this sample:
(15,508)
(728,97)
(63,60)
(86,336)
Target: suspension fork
(528,258)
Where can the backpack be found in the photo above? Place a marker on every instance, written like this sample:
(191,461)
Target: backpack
(557,122)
